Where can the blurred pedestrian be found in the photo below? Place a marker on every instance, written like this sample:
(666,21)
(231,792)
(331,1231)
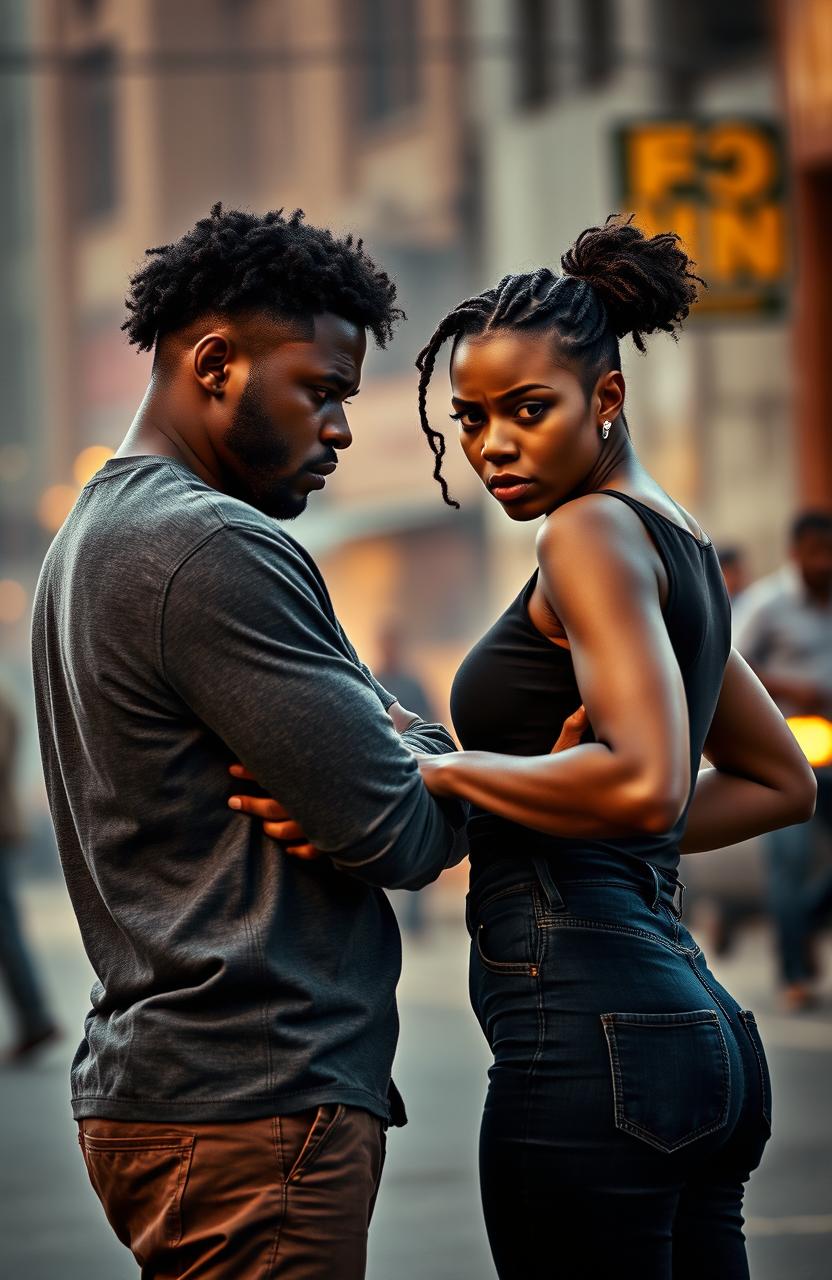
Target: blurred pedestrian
(395,673)
(734,572)
(783,627)
(36,1028)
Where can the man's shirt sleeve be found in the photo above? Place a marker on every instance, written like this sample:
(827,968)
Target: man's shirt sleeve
(247,643)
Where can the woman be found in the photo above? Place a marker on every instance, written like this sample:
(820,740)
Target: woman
(629,1097)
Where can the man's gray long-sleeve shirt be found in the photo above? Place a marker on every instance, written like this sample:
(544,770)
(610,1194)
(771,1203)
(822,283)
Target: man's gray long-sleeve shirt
(177,629)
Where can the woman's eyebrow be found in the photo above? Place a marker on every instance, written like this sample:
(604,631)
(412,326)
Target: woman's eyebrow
(511,394)
(523,390)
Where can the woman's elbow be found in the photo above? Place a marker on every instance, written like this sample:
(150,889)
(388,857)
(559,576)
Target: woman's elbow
(802,796)
(654,810)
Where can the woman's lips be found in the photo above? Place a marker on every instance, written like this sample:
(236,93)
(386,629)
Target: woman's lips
(509,488)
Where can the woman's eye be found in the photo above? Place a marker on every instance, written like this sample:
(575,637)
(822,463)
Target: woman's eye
(530,410)
(468,421)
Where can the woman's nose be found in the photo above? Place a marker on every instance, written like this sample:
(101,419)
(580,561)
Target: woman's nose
(498,445)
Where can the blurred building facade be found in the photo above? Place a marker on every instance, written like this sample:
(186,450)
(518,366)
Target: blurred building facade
(462,141)
(150,112)
(804,29)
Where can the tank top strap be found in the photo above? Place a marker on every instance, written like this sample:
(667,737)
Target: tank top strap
(657,523)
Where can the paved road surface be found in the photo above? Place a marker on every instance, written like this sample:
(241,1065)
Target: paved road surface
(427,1224)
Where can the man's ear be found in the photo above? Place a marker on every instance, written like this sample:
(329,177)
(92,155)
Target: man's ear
(211,357)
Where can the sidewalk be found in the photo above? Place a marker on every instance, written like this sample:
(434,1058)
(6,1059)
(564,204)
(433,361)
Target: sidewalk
(427,1224)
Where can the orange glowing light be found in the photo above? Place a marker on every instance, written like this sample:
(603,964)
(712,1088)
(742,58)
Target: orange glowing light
(89,461)
(55,504)
(814,737)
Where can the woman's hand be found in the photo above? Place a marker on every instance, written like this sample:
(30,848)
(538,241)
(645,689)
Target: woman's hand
(276,821)
(437,772)
(574,728)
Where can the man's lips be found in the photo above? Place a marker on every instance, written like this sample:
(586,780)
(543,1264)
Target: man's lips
(508,487)
(319,473)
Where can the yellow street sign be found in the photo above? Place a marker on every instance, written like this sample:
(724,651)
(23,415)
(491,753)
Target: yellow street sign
(719,185)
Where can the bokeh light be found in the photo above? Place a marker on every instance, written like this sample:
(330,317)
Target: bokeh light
(89,461)
(814,737)
(55,504)
(12,601)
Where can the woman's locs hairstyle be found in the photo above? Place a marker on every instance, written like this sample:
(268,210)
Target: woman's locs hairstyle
(235,261)
(616,281)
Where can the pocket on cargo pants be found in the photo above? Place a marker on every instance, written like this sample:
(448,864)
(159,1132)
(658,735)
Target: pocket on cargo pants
(670,1075)
(140,1181)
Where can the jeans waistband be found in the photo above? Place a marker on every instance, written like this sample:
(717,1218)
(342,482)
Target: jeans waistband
(658,888)
(555,876)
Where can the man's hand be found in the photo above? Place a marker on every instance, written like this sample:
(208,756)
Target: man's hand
(276,821)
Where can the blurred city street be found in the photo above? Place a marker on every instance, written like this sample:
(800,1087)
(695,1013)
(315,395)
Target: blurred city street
(427,1222)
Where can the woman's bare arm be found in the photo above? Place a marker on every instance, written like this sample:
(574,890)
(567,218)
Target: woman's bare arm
(760,779)
(636,776)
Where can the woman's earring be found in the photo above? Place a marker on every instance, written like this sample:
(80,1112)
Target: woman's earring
(605,428)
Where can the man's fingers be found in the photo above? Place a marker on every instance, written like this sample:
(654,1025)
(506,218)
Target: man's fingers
(240,771)
(259,807)
(306,852)
(285,832)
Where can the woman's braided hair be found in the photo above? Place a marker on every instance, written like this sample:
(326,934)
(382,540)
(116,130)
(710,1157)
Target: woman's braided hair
(617,281)
(234,261)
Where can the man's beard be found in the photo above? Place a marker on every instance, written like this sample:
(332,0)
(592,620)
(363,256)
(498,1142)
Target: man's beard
(263,454)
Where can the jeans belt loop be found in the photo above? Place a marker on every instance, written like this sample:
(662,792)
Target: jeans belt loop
(657,887)
(550,890)
(678,904)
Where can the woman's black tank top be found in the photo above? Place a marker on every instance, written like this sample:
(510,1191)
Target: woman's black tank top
(515,688)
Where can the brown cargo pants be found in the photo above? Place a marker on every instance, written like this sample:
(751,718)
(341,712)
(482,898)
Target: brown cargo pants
(288,1197)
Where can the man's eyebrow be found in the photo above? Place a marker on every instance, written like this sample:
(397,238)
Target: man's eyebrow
(343,382)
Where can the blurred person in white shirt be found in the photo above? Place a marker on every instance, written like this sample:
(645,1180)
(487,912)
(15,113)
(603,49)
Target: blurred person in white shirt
(783,628)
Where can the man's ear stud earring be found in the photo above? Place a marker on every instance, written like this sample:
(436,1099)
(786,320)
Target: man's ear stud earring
(605,428)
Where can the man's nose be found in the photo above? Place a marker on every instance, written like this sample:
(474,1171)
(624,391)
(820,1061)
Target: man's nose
(336,431)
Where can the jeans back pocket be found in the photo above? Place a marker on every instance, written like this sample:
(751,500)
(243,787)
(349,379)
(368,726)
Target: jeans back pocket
(670,1075)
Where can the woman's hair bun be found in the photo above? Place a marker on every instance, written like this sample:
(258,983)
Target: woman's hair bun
(645,282)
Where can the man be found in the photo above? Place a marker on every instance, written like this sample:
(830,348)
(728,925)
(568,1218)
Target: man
(233,1084)
(783,627)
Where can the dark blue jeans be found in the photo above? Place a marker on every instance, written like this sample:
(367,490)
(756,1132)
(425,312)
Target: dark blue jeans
(629,1097)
